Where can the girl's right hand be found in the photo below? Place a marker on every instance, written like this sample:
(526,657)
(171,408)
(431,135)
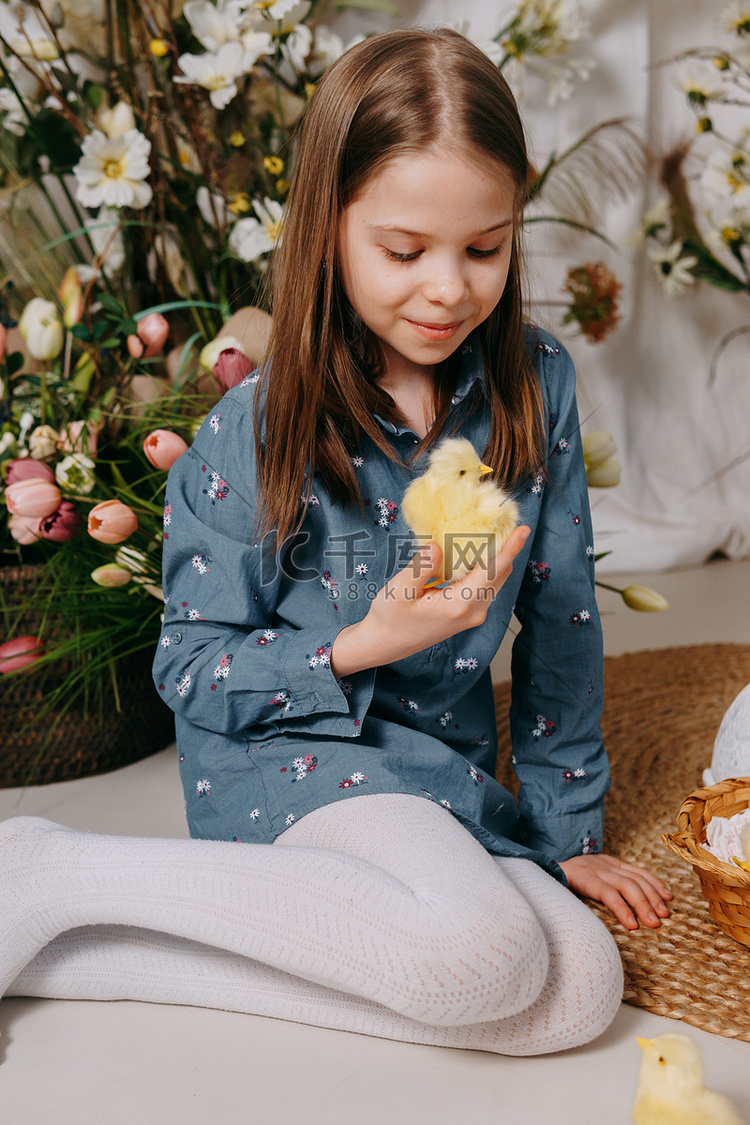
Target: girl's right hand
(405,618)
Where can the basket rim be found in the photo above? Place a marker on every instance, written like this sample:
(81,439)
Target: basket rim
(685,844)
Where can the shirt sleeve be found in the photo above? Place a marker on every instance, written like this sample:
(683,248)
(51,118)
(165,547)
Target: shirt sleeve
(557,662)
(225,660)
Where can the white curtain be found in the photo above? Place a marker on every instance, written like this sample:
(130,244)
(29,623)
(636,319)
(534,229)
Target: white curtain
(684,445)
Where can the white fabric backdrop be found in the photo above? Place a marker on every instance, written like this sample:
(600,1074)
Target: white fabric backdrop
(647,383)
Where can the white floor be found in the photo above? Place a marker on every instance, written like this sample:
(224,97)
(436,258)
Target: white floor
(138,1064)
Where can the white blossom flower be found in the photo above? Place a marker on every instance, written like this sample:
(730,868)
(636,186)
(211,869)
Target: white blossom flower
(213,207)
(213,25)
(42,329)
(15,120)
(699,80)
(298,46)
(106,236)
(75,473)
(253,237)
(218,71)
(672,269)
(327,47)
(112,171)
(654,220)
(116,120)
(726,176)
(286,12)
(736,18)
(43,442)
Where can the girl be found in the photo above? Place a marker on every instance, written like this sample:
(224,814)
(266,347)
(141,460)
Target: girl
(307,664)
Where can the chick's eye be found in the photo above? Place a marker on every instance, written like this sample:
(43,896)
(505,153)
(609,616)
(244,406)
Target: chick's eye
(462,472)
(662,1060)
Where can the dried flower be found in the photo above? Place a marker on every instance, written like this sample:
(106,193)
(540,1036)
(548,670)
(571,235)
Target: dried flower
(593,290)
(112,522)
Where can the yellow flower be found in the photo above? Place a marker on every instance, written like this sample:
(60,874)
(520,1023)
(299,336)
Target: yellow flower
(237,139)
(158,48)
(282,186)
(730,234)
(274,165)
(309,89)
(241,204)
(704,125)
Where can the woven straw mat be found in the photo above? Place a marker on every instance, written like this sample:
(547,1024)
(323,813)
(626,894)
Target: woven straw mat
(662,710)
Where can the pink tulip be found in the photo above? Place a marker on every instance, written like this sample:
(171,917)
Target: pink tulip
(32,497)
(153,331)
(135,346)
(112,521)
(26,468)
(24,530)
(163,447)
(3,342)
(62,525)
(19,653)
(79,437)
(231,368)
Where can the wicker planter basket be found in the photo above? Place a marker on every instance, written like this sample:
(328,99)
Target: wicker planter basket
(725,886)
(79,745)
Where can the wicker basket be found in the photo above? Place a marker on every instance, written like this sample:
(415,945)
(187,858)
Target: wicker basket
(79,745)
(725,886)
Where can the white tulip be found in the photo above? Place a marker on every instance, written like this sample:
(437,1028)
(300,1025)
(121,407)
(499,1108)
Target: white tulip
(75,473)
(42,329)
(211,352)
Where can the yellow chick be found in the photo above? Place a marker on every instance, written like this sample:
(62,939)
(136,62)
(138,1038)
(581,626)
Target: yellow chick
(745,846)
(468,516)
(670,1086)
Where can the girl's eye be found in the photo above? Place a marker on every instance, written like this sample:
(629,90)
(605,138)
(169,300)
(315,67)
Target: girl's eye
(396,257)
(484,253)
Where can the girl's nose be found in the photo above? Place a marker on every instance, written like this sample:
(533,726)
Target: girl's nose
(447,283)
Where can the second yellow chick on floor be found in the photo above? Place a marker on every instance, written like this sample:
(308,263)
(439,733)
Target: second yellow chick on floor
(455,505)
(670,1086)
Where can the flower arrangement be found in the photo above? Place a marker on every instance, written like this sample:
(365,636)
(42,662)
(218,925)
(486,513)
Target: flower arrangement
(699,230)
(145,156)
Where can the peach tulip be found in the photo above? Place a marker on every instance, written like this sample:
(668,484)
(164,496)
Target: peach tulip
(32,497)
(27,468)
(231,368)
(153,331)
(19,653)
(79,437)
(24,529)
(112,521)
(163,447)
(62,525)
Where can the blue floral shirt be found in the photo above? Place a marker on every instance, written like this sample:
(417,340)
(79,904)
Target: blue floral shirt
(265,731)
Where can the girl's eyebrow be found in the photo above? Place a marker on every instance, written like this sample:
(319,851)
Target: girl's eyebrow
(386,228)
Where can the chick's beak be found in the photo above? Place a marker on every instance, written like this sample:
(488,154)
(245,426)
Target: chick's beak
(643,1043)
(483,469)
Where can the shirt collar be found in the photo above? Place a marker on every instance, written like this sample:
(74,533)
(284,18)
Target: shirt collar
(469,371)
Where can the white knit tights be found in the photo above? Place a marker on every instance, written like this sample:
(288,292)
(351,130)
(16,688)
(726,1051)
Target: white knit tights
(379,914)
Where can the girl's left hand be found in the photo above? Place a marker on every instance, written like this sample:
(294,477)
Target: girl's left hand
(632,893)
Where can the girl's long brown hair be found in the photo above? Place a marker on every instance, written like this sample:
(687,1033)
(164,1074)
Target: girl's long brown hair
(393,94)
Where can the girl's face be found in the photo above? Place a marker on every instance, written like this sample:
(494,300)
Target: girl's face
(424,252)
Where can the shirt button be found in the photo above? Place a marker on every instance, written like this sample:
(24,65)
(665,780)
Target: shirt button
(416,441)
(176,638)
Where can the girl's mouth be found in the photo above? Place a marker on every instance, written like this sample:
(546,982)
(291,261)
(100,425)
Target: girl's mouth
(436,331)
